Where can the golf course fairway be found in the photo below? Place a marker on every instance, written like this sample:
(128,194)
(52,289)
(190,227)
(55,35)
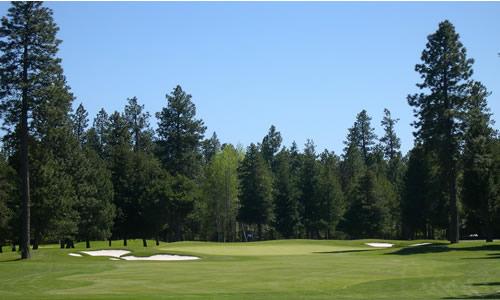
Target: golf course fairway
(283,269)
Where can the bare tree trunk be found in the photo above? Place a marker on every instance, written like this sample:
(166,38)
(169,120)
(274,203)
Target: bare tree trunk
(144,243)
(454,228)
(125,242)
(25,181)
(109,242)
(157,239)
(87,243)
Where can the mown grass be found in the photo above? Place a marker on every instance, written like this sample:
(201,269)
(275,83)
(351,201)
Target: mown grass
(291,269)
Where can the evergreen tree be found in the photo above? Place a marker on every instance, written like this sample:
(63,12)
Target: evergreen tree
(362,135)
(445,71)
(311,209)
(138,122)
(286,196)
(94,191)
(6,194)
(180,135)
(479,187)
(28,67)
(80,122)
(210,147)
(390,141)
(255,190)
(271,144)
(329,193)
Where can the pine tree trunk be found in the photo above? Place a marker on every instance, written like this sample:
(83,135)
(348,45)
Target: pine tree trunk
(157,241)
(109,242)
(144,243)
(35,243)
(125,242)
(454,228)
(87,243)
(25,182)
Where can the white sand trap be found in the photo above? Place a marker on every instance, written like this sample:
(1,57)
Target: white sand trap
(161,257)
(75,254)
(114,258)
(421,244)
(380,245)
(111,253)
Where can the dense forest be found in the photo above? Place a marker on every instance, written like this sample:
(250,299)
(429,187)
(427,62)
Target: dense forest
(66,177)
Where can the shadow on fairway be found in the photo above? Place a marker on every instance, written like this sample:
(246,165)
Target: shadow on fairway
(342,251)
(440,248)
(486,283)
(495,295)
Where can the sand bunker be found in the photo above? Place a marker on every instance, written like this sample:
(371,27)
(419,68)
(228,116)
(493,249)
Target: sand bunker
(111,253)
(380,245)
(421,244)
(118,255)
(163,257)
(75,254)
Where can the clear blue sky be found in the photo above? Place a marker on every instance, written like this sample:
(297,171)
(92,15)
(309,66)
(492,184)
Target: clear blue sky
(307,68)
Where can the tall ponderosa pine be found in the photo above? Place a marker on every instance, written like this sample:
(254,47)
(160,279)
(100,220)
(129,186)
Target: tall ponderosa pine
(80,123)
(390,141)
(445,71)
(310,207)
(255,190)
(29,67)
(180,135)
(479,191)
(271,144)
(329,193)
(138,122)
(362,135)
(286,196)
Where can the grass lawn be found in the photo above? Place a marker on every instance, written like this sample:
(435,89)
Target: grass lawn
(292,269)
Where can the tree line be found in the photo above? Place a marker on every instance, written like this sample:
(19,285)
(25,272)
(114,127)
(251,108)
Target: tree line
(64,178)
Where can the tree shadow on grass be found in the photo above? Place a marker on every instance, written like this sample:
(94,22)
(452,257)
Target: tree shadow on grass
(495,295)
(441,248)
(10,260)
(342,251)
(486,283)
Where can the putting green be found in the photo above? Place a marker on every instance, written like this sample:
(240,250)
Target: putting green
(295,269)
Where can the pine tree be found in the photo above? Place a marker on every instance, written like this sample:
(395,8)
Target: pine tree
(180,135)
(390,141)
(445,71)
(311,209)
(138,122)
(362,135)
(255,190)
(479,190)
(6,194)
(28,67)
(329,193)
(80,122)
(210,147)
(271,144)
(286,196)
